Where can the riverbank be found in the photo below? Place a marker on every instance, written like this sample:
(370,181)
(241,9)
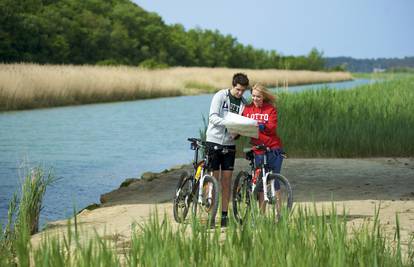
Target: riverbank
(358,185)
(29,86)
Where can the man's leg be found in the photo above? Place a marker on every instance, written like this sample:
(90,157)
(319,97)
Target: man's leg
(227,168)
(225,189)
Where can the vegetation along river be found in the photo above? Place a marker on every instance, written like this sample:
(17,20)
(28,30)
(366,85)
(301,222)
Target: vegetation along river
(93,148)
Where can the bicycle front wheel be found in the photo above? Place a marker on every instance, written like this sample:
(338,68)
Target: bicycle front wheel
(182,198)
(241,196)
(206,210)
(280,197)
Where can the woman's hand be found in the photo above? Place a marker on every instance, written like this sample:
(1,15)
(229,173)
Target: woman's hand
(261,127)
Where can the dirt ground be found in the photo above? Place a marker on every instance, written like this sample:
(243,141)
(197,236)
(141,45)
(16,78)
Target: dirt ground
(358,185)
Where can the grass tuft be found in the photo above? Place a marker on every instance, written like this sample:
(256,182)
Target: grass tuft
(372,120)
(23,218)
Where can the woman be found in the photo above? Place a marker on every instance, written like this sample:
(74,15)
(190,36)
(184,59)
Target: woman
(263,110)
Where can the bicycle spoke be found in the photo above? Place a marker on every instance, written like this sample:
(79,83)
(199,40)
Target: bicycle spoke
(241,197)
(207,209)
(282,198)
(182,199)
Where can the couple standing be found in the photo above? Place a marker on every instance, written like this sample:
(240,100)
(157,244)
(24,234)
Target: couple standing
(263,110)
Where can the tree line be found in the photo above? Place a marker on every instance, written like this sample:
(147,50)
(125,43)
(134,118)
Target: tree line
(405,64)
(119,32)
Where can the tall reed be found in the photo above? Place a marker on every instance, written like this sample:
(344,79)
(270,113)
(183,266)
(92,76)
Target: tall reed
(26,86)
(368,121)
(23,218)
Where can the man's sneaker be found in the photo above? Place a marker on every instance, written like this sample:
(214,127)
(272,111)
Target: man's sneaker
(223,221)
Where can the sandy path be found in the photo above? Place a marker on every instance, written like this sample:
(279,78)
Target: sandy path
(359,185)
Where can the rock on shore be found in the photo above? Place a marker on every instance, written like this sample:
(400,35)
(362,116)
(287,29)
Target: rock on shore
(151,188)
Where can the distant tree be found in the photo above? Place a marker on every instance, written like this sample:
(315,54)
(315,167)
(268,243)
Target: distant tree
(113,32)
(315,60)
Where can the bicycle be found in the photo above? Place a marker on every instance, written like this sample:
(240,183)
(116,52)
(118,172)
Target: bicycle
(200,188)
(245,189)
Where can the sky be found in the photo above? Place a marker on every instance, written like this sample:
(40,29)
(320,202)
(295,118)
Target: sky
(355,28)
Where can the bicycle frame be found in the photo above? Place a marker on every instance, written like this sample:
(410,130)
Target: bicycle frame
(265,173)
(271,199)
(205,204)
(196,145)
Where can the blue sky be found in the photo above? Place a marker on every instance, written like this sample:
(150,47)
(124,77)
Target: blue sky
(356,28)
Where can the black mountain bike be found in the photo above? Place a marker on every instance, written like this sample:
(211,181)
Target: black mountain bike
(199,189)
(246,185)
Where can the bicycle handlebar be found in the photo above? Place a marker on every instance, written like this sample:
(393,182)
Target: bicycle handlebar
(199,142)
(196,143)
(194,140)
(262,148)
(258,147)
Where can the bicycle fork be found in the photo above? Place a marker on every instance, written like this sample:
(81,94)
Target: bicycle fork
(272,187)
(200,189)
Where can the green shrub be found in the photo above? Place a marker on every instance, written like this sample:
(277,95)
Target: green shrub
(152,64)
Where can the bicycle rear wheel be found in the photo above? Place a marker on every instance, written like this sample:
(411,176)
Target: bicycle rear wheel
(281,201)
(206,210)
(241,196)
(182,198)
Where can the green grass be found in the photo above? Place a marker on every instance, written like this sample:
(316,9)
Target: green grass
(307,238)
(373,120)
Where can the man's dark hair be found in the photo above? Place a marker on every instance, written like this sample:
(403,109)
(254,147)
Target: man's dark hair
(240,78)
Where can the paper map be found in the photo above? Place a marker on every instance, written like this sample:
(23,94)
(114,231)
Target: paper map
(237,124)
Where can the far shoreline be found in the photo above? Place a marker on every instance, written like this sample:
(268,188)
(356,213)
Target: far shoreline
(33,86)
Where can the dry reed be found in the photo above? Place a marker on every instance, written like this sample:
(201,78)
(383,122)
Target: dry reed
(26,86)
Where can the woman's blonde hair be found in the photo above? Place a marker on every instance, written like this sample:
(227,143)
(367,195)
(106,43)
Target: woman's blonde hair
(267,95)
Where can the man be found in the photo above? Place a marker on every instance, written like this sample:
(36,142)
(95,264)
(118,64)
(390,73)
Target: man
(224,101)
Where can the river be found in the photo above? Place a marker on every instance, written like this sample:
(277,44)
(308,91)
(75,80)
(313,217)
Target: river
(91,149)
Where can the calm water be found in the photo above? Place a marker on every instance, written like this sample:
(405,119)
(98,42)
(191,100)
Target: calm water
(93,148)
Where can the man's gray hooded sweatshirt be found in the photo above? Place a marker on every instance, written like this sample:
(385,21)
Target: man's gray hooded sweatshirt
(220,106)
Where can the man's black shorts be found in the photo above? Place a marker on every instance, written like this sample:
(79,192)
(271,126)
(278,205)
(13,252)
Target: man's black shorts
(220,160)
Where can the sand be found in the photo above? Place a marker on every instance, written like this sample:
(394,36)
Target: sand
(358,185)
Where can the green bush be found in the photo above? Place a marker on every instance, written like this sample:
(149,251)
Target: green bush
(152,64)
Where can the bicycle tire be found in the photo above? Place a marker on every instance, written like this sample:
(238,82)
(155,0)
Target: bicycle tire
(285,202)
(182,198)
(241,196)
(208,209)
